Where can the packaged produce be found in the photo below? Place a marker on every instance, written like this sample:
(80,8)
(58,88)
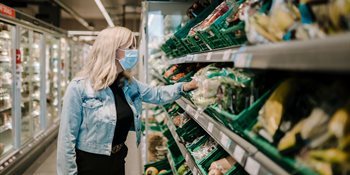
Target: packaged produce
(218,11)
(156,149)
(285,21)
(226,87)
(151,171)
(205,149)
(309,124)
(221,166)
(182,169)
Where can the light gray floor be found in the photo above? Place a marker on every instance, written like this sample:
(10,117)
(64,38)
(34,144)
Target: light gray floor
(48,161)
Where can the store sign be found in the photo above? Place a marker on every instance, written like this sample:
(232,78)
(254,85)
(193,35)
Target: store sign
(8,11)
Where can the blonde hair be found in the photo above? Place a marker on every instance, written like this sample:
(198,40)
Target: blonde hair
(101,67)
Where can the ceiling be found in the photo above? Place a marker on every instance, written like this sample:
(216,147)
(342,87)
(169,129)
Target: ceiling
(89,11)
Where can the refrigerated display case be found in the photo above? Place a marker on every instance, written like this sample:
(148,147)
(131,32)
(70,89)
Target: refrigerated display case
(158,20)
(35,68)
(6,130)
(30,89)
(52,77)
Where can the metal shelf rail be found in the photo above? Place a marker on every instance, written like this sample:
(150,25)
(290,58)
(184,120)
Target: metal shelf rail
(188,158)
(327,54)
(246,154)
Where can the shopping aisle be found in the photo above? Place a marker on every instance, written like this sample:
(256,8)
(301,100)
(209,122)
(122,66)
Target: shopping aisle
(46,163)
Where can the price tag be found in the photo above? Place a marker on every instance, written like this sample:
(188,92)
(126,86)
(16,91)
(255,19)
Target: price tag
(226,55)
(225,141)
(188,108)
(187,157)
(252,166)
(243,60)
(195,58)
(209,54)
(189,58)
(197,115)
(210,127)
(238,154)
(195,171)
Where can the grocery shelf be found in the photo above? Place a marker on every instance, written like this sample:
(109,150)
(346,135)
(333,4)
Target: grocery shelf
(5,127)
(171,162)
(327,54)
(246,154)
(188,158)
(6,108)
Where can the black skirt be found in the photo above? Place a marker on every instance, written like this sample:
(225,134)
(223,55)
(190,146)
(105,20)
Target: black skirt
(89,163)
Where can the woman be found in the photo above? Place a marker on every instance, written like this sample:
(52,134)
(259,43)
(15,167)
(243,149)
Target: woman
(102,104)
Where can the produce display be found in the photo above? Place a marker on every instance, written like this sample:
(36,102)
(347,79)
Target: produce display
(157,147)
(205,149)
(309,124)
(221,166)
(233,23)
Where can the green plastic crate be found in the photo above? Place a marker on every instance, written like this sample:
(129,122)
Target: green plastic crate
(240,122)
(198,147)
(212,36)
(174,46)
(218,154)
(235,35)
(176,154)
(185,127)
(160,165)
(193,145)
(288,163)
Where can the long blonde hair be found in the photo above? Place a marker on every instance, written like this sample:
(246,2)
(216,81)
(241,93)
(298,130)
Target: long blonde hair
(101,67)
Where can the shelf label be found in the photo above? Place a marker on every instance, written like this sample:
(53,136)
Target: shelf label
(252,166)
(209,54)
(226,55)
(187,158)
(225,141)
(195,58)
(195,171)
(197,115)
(238,154)
(243,60)
(188,108)
(8,11)
(210,127)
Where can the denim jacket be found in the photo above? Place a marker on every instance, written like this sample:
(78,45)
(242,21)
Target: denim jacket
(89,117)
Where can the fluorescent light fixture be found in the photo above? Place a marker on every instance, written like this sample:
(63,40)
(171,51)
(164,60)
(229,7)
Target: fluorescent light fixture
(82,33)
(104,13)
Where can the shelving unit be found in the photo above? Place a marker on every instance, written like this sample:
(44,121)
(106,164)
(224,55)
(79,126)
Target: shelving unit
(188,158)
(171,162)
(328,54)
(246,154)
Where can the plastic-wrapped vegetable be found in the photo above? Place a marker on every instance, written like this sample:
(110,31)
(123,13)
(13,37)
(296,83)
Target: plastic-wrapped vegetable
(228,88)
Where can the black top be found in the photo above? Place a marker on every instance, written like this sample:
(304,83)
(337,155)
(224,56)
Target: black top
(124,113)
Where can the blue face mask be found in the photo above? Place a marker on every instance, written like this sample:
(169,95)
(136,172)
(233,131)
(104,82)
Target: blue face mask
(130,59)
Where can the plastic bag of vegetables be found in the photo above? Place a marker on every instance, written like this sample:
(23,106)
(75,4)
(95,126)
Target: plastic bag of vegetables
(226,87)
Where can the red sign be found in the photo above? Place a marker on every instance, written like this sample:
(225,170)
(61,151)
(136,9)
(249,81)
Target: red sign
(8,11)
(18,56)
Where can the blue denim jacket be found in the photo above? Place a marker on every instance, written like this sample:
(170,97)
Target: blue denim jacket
(88,117)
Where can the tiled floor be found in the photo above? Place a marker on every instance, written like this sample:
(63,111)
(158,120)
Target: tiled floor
(48,161)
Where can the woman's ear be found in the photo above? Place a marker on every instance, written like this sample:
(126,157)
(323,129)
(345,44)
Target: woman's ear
(119,67)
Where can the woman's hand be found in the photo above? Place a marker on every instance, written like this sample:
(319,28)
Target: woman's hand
(192,85)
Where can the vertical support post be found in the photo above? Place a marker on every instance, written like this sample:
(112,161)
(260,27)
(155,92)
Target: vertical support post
(43,103)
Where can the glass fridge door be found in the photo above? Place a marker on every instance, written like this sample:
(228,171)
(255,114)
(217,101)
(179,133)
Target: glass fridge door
(52,56)
(35,81)
(65,55)
(27,127)
(6,139)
